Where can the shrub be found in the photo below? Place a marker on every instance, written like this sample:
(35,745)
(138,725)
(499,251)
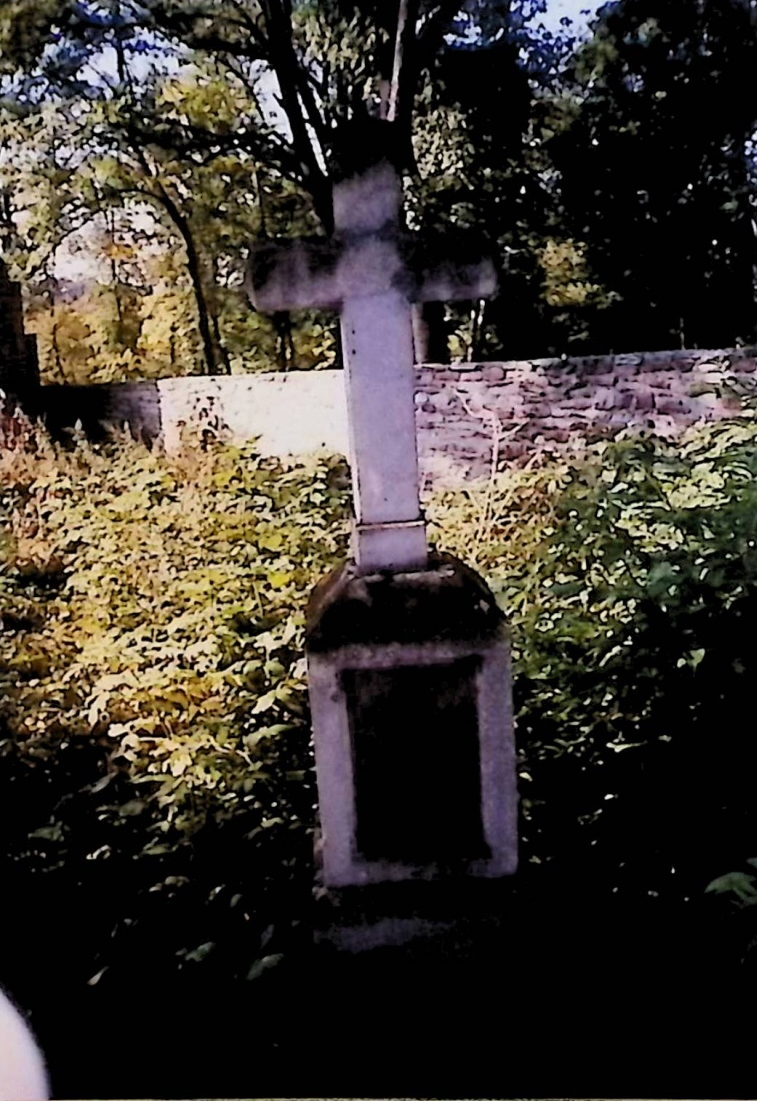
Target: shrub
(153,698)
(630,581)
(156,767)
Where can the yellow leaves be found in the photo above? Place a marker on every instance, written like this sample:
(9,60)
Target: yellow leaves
(704,487)
(118,251)
(279,579)
(267,701)
(194,97)
(176,634)
(565,274)
(272,541)
(439,142)
(213,704)
(106,169)
(178,763)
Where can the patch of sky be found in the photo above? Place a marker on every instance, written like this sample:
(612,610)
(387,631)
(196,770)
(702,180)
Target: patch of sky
(579,12)
(553,16)
(544,32)
(148,56)
(147,52)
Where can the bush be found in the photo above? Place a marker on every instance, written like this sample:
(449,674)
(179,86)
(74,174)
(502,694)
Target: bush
(156,737)
(156,771)
(630,580)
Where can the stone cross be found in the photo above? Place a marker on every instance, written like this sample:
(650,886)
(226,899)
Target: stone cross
(371,272)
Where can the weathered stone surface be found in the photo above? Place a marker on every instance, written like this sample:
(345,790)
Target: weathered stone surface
(642,399)
(302,412)
(413,669)
(672,406)
(493,373)
(606,398)
(449,600)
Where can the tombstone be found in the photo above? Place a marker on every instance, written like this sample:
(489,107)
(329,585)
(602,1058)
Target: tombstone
(19,367)
(407,653)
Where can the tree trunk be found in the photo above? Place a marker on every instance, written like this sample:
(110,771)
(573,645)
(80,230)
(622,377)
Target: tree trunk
(211,354)
(216,319)
(203,313)
(420,334)
(282,323)
(295,91)
(110,224)
(478,311)
(52,288)
(399,97)
(430,333)
(7,228)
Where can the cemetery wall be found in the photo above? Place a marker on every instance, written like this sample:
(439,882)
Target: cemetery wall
(471,414)
(467,414)
(100,407)
(19,368)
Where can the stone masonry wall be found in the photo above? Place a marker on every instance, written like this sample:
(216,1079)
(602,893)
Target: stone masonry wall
(470,414)
(467,414)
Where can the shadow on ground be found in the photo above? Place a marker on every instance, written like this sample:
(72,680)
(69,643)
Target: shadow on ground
(584,1001)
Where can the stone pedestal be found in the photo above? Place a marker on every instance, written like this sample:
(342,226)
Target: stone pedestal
(409,678)
(408,663)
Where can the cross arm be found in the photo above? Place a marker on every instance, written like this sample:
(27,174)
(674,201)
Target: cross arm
(294,274)
(317,273)
(448,270)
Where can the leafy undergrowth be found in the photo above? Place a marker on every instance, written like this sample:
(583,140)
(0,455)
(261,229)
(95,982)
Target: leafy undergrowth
(630,582)
(156,790)
(155,755)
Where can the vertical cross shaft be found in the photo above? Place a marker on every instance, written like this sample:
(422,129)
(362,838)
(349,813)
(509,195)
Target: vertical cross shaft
(377,346)
(370,272)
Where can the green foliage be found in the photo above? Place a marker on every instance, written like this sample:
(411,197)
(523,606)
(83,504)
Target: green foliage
(740,886)
(201,147)
(653,167)
(739,889)
(591,170)
(154,715)
(152,681)
(630,580)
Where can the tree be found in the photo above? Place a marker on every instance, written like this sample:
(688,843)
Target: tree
(42,202)
(329,63)
(657,172)
(197,137)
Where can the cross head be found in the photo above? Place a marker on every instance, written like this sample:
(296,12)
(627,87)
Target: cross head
(372,271)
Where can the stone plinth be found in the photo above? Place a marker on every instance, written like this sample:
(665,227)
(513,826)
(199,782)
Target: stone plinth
(410,693)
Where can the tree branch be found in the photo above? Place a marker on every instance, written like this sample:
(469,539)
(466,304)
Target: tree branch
(432,32)
(288,71)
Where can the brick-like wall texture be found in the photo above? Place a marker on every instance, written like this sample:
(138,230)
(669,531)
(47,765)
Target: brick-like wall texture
(467,414)
(471,413)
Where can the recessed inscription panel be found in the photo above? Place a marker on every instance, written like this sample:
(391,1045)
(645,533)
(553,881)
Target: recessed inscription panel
(416,763)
